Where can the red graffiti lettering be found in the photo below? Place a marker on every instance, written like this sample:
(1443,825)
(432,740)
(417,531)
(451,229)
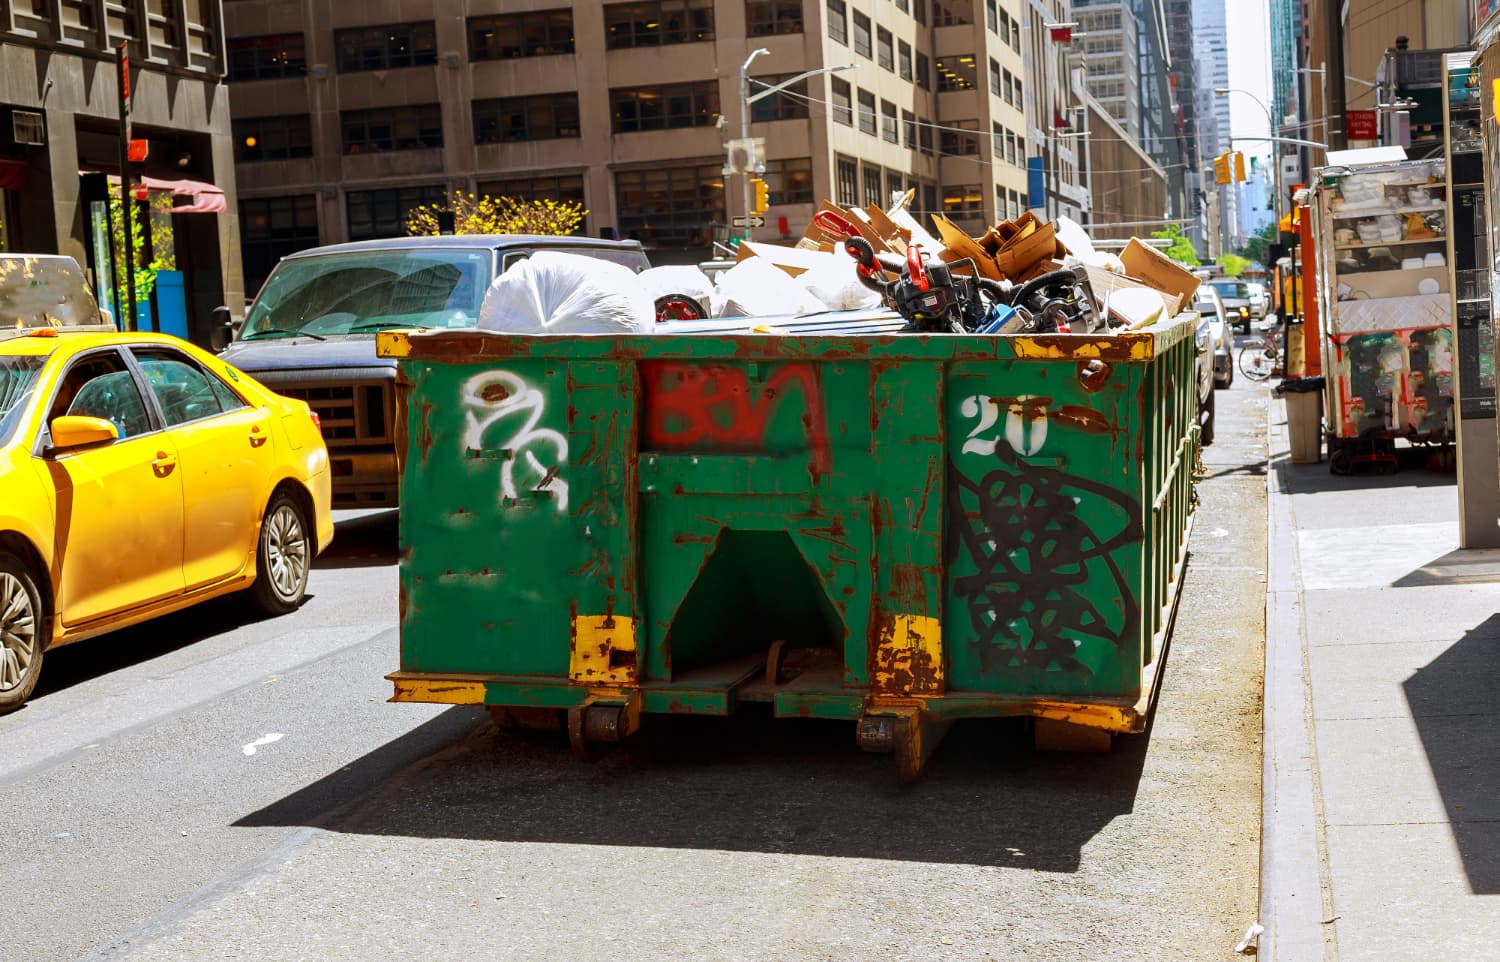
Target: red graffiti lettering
(714,407)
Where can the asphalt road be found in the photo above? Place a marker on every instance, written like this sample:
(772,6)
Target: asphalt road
(212,787)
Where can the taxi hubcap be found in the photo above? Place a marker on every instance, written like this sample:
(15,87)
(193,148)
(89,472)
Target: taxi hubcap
(17,632)
(286,550)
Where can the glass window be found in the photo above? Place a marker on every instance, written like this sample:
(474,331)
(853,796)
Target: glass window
(996,87)
(383,213)
(384,47)
(838,22)
(867,112)
(515,119)
(956,73)
(846,180)
(272,138)
(885,49)
(789,103)
(263,58)
(666,107)
(960,143)
(948,13)
(903,60)
(671,205)
(790,181)
(909,129)
(101,386)
(540,33)
(270,229)
(764,18)
(862,34)
(364,291)
(555,187)
(656,23)
(392,128)
(923,77)
(963,199)
(991,16)
(843,104)
(873,180)
(18,376)
(184,391)
(888,127)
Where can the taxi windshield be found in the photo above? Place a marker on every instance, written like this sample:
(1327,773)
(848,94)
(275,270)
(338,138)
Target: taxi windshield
(43,292)
(18,377)
(366,291)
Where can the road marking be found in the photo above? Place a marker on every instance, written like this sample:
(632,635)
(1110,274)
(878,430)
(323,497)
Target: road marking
(266,739)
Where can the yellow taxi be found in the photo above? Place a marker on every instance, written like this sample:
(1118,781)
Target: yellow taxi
(140,475)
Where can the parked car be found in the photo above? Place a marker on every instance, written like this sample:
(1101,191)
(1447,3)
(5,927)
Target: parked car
(140,475)
(1236,297)
(1203,379)
(310,332)
(1260,299)
(1208,305)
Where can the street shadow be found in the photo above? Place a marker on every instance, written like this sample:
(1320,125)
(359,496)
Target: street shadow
(362,541)
(1254,469)
(1466,566)
(1316,478)
(748,783)
(83,661)
(1456,706)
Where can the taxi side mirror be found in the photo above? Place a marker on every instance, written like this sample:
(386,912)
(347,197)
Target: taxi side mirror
(73,431)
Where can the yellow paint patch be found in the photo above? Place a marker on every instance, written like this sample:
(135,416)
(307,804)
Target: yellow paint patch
(393,344)
(603,650)
(909,660)
(1107,717)
(442,691)
(1120,347)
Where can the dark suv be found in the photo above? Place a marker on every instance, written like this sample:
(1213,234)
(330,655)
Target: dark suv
(310,334)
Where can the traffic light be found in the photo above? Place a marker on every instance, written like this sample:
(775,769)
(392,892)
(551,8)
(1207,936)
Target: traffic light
(762,196)
(1221,168)
(1239,167)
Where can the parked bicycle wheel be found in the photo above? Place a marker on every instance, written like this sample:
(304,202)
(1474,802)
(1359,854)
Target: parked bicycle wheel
(1257,358)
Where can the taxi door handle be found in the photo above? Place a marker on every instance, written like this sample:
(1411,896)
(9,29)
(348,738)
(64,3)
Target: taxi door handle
(163,464)
(256,437)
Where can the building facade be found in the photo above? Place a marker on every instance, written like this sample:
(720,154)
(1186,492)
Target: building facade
(349,115)
(1112,46)
(60,139)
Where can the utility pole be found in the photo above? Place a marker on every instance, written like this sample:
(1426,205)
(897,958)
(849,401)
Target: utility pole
(1333,76)
(745,133)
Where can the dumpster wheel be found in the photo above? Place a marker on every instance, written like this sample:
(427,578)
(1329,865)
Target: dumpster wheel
(594,726)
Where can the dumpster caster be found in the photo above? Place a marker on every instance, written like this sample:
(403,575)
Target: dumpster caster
(590,727)
(912,737)
(1049,735)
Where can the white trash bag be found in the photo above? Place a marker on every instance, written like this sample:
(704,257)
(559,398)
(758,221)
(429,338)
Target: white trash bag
(836,283)
(556,293)
(755,286)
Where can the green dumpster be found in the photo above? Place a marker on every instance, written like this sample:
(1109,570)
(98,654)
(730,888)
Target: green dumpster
(895,530)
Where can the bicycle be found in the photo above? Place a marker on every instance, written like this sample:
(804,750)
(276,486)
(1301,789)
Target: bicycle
(1260,357)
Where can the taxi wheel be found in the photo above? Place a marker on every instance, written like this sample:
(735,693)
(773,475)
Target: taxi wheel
(283,557)
(21,634)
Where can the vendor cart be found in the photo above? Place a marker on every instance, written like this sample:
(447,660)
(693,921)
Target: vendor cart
(1380,237)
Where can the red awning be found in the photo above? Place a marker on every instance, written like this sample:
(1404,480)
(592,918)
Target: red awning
(13,174)
(205,198)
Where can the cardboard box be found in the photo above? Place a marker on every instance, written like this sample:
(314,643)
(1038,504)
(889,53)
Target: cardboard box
(1377,284)
(1107,283)
(1145,263)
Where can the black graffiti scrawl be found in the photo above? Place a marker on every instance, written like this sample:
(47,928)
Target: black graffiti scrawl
(1043,563)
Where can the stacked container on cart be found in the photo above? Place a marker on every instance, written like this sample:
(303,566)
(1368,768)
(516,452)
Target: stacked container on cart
(1384,291)
(889,529)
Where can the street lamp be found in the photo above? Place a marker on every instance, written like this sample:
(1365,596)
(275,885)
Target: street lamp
(1275,151)
(747,98)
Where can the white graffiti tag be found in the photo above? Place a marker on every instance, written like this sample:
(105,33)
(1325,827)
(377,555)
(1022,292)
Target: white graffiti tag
(495,396)
(1025,423)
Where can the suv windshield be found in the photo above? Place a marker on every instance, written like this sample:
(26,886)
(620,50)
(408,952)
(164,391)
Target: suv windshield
(366,291)
(18,376)
(1231,289)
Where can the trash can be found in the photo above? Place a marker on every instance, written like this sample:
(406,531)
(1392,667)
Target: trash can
(1304,417)
(891,529)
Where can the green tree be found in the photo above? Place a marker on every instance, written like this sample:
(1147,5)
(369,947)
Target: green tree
(1233,265)
(1181,247)
(1258,249)
(475,214)
(156,216)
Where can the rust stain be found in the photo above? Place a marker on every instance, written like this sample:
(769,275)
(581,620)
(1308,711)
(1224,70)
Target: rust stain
(687,537)
(1085,419)
(494,392)
(426,437)
(909,587)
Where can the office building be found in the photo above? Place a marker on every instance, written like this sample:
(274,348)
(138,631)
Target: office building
(349,115)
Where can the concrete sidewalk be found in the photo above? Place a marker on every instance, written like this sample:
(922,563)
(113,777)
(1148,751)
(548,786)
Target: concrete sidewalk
(1382,747)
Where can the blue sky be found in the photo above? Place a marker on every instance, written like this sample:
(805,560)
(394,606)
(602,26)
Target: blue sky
(1247,23)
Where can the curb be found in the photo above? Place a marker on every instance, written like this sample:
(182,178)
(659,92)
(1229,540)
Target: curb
(1292,882)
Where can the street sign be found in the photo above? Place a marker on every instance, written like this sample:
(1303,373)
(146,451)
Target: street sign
(1361,124)
(738,220)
